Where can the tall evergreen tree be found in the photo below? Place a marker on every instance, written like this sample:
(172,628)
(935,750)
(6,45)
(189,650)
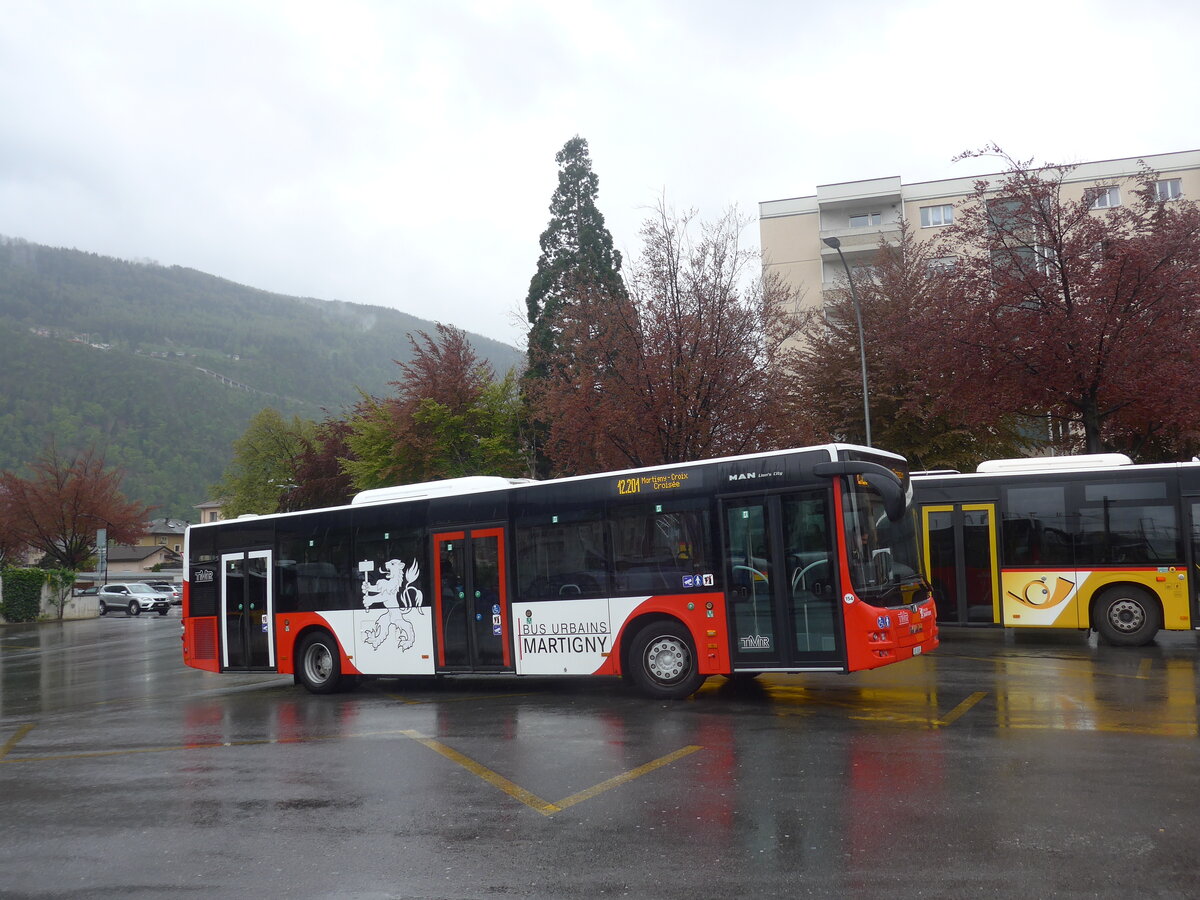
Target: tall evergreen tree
(577,259)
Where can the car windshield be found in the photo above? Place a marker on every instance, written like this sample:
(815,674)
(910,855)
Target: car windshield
(141,589)
(883,553)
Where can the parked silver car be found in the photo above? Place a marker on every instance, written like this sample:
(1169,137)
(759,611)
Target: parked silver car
(167,587)
(134,598)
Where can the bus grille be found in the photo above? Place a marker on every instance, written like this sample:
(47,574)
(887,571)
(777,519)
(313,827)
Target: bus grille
(205,639)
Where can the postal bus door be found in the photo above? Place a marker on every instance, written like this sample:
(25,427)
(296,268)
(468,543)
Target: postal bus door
(959,545)
(247,611)
(1192,505)
(470,600)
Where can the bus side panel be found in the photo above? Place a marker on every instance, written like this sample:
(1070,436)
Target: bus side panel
(291,626)
(580,637)
(1061,598)
(563,637)
(201,643)
(702,614)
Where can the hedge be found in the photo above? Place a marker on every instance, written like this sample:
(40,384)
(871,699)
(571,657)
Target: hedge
(22,600)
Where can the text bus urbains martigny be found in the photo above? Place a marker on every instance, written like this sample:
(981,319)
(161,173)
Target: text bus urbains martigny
(791,561)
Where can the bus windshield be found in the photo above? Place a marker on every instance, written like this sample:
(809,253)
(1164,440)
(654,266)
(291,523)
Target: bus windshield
(884,568)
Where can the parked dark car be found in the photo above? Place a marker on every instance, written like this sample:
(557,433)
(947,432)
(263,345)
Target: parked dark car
(133,598)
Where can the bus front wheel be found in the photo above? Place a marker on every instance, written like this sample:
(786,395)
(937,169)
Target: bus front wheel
(662,661)
(318,663)
(1127,616)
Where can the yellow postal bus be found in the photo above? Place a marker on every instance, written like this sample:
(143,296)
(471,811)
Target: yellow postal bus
(1086,542)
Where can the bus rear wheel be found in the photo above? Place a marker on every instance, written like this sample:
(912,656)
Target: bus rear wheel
(1127,616)
(662,661)
(318,663)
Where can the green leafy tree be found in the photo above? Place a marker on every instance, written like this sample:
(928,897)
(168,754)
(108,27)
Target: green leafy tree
(60,581)
(577,258)
(262,474)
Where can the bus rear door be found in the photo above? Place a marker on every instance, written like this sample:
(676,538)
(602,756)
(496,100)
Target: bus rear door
(247,612)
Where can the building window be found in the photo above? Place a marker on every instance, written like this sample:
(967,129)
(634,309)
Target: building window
(936,215)
(1006,215)
(865,220)
(941,264)
(1168,189)
(1104,197)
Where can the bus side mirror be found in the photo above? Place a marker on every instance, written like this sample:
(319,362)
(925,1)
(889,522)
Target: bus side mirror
(881,479)
(894,501)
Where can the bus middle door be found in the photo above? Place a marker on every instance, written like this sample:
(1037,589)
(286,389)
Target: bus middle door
(470,600)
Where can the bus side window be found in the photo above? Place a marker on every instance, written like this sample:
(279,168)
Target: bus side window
(561,560)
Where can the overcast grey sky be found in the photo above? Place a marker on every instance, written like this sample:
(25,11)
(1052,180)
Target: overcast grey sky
(402,153)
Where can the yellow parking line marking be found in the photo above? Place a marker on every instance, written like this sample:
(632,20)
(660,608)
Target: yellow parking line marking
(1144,668)
(963,707)
(16,739)
(515,791)
(532,800)
(626,777)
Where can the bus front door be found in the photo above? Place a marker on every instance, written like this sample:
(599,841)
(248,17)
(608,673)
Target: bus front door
(783,607)
(470,600)
(959,541)
(247,612)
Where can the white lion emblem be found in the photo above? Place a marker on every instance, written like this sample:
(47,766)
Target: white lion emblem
(398,592)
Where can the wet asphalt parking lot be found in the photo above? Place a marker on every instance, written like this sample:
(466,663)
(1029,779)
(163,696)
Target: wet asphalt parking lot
(1027,765)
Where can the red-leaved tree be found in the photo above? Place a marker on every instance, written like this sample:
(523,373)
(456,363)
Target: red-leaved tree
(59,508)
(318,474)
(895,296)
(450,417)
(1057,307)
(695,364)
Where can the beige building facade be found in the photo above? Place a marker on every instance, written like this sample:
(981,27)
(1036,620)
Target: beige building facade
(859,213)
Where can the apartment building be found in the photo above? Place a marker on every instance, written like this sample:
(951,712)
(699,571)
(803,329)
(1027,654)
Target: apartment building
(858,213)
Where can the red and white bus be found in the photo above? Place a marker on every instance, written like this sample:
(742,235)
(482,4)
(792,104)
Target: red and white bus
(791,561)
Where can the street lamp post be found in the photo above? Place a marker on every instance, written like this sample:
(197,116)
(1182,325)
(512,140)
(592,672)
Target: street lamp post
(862,347)
(101,546)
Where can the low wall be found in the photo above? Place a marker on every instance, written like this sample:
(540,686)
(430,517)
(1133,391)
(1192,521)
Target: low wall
(76,608)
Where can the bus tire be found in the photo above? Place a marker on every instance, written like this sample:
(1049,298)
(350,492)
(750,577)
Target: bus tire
(662,661)
(1126,616)
(319,664)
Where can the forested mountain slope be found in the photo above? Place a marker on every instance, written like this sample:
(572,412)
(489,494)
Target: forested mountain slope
(163,368)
